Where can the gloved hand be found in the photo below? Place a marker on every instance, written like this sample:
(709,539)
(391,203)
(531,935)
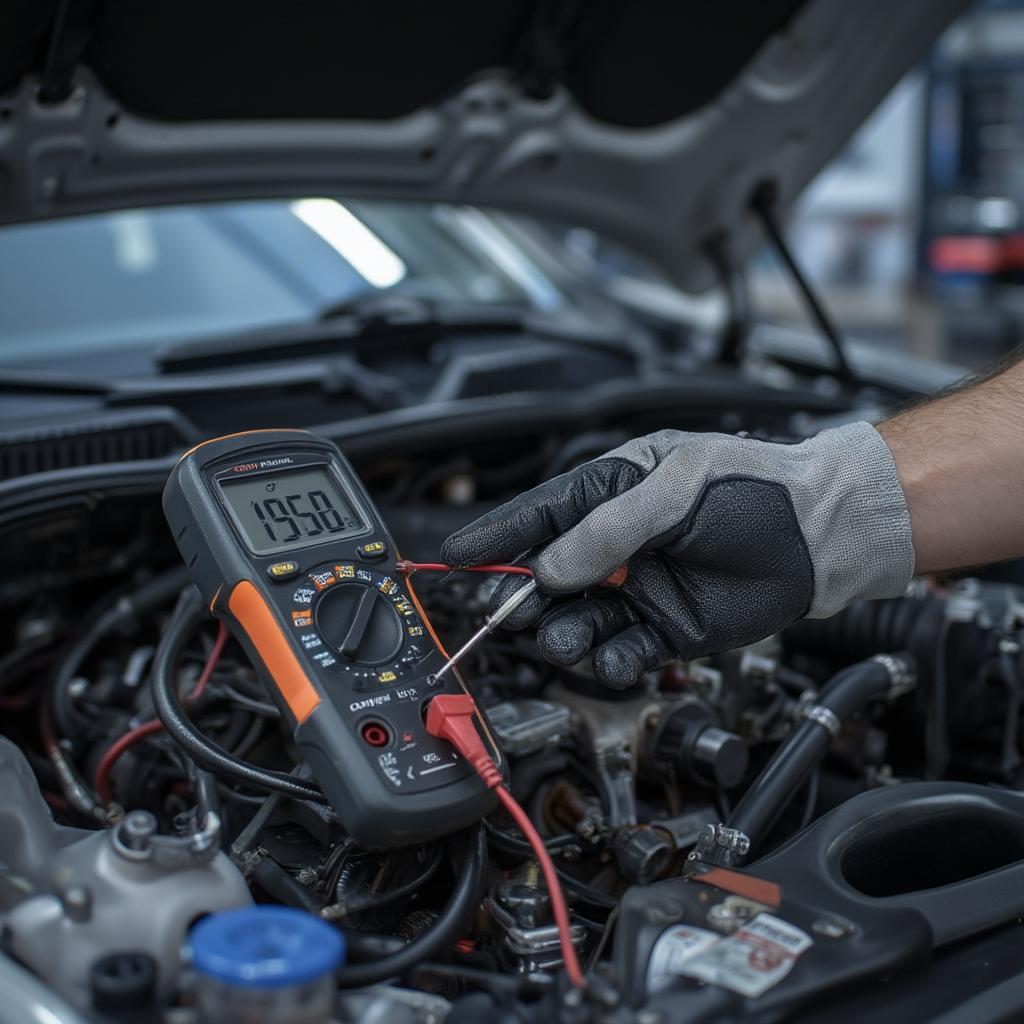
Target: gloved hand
(727,540)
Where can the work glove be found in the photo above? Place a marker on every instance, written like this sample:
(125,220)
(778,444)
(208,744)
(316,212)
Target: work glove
(726,540)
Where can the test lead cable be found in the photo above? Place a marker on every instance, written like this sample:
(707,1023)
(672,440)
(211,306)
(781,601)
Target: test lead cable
(450,717)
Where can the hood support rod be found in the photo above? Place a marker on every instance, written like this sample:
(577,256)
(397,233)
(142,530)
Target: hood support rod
(73,25)
(763,204)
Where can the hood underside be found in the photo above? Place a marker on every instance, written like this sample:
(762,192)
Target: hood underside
(651,123)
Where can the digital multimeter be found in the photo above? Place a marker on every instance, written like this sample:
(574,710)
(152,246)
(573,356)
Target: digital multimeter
(286,547)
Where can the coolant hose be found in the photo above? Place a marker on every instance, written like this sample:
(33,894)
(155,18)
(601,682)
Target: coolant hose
(188,615)
(469,864)
(803,749)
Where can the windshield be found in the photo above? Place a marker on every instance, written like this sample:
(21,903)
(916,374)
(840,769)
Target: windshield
(137,278)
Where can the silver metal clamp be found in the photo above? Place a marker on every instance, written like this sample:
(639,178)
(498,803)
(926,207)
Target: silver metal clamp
(902,678)
(823,716)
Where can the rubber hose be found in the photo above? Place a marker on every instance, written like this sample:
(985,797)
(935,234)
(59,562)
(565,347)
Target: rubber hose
(865,627)
(150,595)
(276,882)
(359,903)
(188,615)
(802,751)
(469,866)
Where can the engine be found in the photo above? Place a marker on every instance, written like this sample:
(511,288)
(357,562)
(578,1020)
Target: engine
(731,822)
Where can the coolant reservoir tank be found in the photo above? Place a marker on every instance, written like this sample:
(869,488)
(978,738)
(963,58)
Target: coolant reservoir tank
(269,964)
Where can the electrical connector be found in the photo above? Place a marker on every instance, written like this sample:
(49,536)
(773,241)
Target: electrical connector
(450,717)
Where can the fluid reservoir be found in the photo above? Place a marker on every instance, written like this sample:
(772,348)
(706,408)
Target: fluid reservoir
(264,965)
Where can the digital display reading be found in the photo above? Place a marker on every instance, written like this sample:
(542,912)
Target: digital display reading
(279,511)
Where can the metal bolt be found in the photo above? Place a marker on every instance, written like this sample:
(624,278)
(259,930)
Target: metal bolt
(137,829)
(77,687)
(830,928)
(77,902)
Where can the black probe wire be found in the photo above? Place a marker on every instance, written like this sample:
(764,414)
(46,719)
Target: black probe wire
(469,865)
(188,614)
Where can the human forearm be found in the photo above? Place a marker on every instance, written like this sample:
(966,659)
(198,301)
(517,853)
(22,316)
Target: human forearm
(960,459)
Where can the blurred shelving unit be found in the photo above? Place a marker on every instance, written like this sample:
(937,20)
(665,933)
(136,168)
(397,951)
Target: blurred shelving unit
(971,239)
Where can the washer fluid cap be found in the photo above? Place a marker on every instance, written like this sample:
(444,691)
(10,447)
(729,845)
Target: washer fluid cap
(265,947)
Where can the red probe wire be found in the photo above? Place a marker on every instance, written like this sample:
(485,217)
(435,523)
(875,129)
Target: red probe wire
(407,568)
(450,717)
(403,565)
(154,725)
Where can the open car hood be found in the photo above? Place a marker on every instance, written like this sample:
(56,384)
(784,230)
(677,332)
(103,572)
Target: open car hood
(650,122)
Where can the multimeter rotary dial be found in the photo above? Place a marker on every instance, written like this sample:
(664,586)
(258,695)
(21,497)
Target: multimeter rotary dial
(360,623)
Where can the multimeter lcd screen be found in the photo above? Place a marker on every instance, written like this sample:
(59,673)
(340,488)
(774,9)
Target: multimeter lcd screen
(280,511)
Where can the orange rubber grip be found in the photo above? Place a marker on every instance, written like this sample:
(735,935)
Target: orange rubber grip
(253,614)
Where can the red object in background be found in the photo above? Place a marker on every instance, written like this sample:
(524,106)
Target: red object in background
(976,254)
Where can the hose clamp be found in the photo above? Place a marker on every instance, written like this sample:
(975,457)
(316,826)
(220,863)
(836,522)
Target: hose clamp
(902,678)
(823,716)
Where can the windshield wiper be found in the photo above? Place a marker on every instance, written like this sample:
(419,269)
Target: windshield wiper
(41,382)
(339,375)
(404,323)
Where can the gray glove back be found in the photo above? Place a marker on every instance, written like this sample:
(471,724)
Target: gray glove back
(727,539)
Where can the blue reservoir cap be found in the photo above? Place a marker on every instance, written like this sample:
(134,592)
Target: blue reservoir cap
(265,947)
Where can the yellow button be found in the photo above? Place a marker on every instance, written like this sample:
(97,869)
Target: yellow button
(283,570)
(372,549)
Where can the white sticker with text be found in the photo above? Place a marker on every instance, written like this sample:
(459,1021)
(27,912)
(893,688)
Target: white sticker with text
(674,947)
(755,958)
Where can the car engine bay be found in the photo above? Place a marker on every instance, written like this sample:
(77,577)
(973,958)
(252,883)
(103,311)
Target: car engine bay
(825,814)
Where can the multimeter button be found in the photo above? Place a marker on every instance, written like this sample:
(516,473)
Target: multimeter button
(283,570)
(372,550)
(360,623)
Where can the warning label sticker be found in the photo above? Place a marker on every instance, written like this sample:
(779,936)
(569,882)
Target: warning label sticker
(674,947)
(750,961)
(753,959)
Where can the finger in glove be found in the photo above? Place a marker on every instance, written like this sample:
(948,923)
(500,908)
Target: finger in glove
(622,660)
(569,631)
